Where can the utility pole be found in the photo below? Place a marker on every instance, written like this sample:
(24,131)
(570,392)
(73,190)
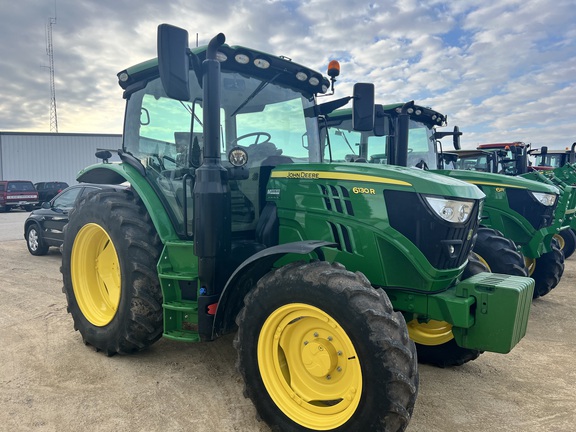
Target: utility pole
(50,52)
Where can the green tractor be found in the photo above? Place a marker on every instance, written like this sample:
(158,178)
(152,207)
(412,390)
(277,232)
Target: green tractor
(234,221)
(517,213)
(512,159)
(558,166)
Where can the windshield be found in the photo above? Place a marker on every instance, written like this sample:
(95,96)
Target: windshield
(20,186)
(421,146)
(480,162)
(347,145)
(264,117)
(554,160)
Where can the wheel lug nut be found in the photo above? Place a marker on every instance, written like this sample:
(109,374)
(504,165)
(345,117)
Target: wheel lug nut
(315,334)
(305,342)
(339,353)
(328,377)
(330,338)
(339,369)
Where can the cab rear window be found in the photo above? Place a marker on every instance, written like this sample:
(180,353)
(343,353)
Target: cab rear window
(20,186)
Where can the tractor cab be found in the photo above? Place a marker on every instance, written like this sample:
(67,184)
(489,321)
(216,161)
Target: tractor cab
(377,146)
(184,119)
(512,157)
(548,159)
(471,160)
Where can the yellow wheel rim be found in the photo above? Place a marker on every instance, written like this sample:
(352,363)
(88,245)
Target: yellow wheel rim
(95,274)
(309,366)
(483,261)
(530,265)
(560,240)
(430,333)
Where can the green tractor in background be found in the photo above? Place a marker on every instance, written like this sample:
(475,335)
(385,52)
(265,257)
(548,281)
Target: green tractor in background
(512,159)
(559,167)
(517,213)
(236,221)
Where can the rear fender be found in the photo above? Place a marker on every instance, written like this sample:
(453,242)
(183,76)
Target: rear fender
(117,173)
(249,273)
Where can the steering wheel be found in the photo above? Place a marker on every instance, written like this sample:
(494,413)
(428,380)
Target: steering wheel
(254,134)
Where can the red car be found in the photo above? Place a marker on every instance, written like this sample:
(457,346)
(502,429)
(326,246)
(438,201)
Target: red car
(17,193)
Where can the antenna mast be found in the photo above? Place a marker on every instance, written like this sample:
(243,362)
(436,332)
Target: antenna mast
(50,52)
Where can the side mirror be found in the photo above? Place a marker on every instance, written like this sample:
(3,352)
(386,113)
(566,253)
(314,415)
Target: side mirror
(456,138)
(173,61)
(363,107)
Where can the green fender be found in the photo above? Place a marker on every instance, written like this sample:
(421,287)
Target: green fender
(250,271)
(117,173)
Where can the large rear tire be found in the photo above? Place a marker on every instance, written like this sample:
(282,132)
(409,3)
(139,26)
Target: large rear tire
(435,341)
(548,270)
(109,259)
(320,349)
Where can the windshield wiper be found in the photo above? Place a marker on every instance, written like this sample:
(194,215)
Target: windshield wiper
(255,92)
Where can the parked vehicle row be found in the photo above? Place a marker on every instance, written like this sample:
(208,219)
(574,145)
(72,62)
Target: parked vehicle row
(44,227)
(26,195)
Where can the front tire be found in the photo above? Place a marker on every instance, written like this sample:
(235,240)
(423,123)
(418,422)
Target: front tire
(548,270)
(499,253)
(320,349)
(34,241)
(569,242)
(109,259)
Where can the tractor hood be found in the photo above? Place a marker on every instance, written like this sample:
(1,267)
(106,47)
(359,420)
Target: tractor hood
(364,175)
(483,179)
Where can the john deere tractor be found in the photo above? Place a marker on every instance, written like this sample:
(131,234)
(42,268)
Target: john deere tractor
(516,212)
(512,159)
(236,221)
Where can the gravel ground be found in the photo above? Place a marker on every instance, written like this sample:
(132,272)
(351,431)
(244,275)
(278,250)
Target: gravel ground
(50,381)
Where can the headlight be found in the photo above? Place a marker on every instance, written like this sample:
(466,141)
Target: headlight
(451,210)
(544,198)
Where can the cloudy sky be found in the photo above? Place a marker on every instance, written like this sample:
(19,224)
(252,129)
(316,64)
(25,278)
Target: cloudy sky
(502,70)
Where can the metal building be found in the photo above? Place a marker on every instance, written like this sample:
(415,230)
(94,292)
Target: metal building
(51,156)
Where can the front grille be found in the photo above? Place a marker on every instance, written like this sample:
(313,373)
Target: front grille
(411,216)
(522,201)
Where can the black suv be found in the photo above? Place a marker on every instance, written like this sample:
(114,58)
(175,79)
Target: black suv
(44,227)
(48,190)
